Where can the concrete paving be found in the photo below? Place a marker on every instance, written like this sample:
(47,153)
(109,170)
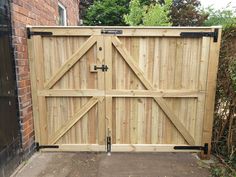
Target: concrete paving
(116,165)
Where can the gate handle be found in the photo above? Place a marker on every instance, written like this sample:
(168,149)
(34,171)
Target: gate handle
(103,68)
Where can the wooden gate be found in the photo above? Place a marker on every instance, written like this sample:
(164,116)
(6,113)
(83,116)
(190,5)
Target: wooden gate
(146,89)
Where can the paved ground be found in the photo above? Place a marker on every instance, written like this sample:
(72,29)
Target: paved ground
(116,165)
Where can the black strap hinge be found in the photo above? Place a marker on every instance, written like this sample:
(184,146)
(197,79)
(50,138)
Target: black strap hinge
(38,147)
(41,33)
(202,34)
(202,148)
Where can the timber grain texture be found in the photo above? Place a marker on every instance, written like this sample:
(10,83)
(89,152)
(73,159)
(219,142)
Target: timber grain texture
(158,91)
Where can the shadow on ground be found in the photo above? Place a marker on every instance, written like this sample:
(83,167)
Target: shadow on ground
(116,165)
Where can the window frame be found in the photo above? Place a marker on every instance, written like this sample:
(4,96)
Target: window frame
(60,5)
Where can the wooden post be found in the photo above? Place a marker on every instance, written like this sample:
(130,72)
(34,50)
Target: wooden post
(37,82)
(210,94)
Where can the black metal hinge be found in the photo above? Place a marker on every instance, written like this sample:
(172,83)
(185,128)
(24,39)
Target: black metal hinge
(202,148)
(201,34)
(111,31)
(30,33)
(38,147)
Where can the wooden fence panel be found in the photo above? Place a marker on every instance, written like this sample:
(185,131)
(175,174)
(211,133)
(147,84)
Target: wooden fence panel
(153,96)
(174,73)
(63,65)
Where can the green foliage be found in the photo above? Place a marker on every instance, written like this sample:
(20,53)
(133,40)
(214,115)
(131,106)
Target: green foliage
(233,74)
(218,172)
(149,2)
(225,102)
(136,13)
(187,13)
(107,12)
(225,17)
(158,15)
(153,15)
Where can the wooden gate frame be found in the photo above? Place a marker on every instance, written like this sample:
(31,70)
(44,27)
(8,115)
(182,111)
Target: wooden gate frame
(111,39)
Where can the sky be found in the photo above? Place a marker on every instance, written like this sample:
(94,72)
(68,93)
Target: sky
(218,4)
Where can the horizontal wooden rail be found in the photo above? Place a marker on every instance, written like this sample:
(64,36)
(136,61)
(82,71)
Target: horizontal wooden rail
(77,147)
(147,148)
(122,93)
(150,94)
(120,148)
(71,93)
(162,32)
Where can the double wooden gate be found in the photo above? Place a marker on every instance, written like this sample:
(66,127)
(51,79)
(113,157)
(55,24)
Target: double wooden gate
(145,89)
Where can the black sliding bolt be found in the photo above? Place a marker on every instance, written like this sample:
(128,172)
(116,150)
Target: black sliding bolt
(103,67)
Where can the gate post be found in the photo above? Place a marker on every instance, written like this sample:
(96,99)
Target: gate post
(210,94)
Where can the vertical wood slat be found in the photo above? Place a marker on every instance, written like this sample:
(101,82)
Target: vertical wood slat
(101,86)
(141,101)
(178,80)
(37,81)
(202,81)
(210,92)
(171,84)
(108,84)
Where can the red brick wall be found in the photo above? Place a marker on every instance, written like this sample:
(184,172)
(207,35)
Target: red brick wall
(33,12)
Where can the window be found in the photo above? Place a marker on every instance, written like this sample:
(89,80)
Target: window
(62,15)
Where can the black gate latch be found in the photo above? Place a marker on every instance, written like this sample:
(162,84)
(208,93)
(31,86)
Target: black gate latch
(103,68)
(111,31)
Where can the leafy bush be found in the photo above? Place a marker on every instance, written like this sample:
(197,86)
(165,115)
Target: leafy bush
(155,14)
(107,12)
(220,170)
(224,128)
(158,15)
(135,15)
(224,17)
(187,13)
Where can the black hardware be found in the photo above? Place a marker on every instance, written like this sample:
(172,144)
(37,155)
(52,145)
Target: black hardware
(108,144)
(30,33)
(201,34)
(38,147)
(111,31)
(103,67)
(202,148)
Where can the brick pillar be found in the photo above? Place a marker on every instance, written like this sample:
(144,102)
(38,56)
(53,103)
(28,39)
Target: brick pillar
(25,12)
(23,85)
